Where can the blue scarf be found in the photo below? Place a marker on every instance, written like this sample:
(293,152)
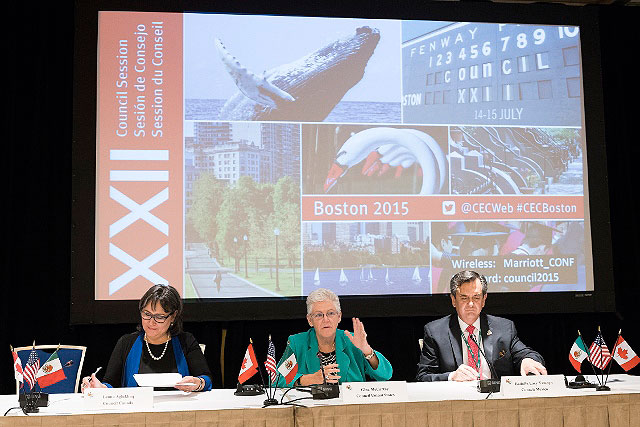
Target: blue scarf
(132,365)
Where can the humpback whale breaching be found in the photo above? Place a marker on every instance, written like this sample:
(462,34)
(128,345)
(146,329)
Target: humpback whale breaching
(304,90)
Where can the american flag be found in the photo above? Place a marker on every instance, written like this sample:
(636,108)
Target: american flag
(33,366)
(270,364)
(600,355)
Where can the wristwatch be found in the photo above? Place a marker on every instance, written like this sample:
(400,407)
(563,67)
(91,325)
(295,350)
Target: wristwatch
(369,356)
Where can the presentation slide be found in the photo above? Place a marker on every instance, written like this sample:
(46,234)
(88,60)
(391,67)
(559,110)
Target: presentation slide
(246,156)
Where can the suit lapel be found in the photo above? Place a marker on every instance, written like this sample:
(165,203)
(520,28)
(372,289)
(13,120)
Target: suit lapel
(312,362)
(488,339)
(342,357)
(455,337)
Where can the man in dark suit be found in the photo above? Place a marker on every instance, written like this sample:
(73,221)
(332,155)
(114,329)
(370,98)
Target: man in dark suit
(450,348)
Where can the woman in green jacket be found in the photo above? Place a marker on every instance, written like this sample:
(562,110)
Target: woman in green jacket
(345,356)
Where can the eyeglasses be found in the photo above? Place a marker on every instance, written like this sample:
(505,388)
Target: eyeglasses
(159,318)
(330,314)
(466,298)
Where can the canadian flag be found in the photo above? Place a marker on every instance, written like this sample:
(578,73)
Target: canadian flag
(17,367)
(249,365)
(289,368)
(624,355)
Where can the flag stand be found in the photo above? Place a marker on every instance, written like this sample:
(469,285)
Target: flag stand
(271,389)
(30,402)
(599,357)
(604,386)
(580,382)
(615,347)
(271,393)
(249,389)
(602,381)
(271,401)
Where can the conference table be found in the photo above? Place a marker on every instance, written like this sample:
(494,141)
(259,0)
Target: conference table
(428,404)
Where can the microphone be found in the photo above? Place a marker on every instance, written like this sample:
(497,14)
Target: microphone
(324,377)
(324,390)
(490,385)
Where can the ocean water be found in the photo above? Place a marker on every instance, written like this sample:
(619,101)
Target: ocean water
(344,112)
(400,281)
(365,112)
(203,109)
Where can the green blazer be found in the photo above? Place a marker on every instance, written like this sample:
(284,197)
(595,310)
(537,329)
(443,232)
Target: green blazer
(353,365)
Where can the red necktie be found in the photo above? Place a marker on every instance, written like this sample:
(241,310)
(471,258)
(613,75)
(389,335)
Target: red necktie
(472,351)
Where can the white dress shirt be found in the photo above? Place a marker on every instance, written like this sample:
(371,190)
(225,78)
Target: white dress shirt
(484,366)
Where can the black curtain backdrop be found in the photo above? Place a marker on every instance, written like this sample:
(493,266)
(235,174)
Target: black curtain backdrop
(36,251)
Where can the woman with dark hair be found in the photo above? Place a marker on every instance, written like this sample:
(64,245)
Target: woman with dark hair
(159,346)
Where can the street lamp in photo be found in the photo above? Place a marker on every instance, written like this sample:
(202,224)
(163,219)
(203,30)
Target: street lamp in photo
(246,271)
(276,232)
(235,254)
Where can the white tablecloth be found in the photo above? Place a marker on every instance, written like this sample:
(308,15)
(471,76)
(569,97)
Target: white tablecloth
(222,407)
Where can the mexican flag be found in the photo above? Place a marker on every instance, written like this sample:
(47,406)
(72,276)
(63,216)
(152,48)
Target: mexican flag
(289,368)
(51,372)
(624,355)
(578,353)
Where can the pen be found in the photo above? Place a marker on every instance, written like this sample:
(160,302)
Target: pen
(90,378)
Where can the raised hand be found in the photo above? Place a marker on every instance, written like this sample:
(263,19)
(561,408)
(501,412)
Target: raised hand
(359,336)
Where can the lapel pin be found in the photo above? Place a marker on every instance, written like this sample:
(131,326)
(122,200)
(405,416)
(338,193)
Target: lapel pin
(489,332)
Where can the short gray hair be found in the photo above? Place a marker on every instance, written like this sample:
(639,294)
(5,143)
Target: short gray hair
(320,295)
(465,276)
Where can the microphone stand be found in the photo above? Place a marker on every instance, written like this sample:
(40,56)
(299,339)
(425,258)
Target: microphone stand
(490,385)
(324,390)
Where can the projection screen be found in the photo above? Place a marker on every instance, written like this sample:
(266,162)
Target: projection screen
(372,157)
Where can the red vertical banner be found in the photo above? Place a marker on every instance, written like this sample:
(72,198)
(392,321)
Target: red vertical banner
(139,182)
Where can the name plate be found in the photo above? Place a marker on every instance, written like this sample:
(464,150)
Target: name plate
(129,398)
(533,386)
(374,392)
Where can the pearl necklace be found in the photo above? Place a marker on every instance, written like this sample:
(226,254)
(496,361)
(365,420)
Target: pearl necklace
(166,344)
